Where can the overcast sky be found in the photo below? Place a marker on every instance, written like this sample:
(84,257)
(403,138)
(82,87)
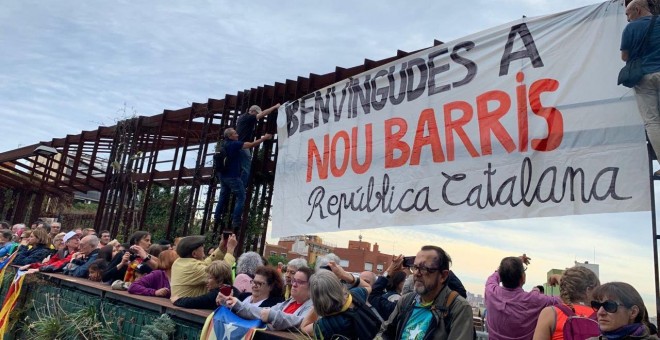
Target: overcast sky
(69,66)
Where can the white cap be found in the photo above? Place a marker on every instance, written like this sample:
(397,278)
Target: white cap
(69,235)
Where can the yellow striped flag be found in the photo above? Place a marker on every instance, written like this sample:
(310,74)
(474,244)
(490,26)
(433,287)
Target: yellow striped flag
(10,301)
(5,263)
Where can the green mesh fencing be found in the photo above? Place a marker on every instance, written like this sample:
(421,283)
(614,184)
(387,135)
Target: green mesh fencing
(41,300)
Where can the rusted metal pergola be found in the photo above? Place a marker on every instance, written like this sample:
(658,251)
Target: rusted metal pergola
(128,161)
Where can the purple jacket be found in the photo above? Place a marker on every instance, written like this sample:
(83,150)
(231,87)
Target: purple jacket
(512,313)
(150,283)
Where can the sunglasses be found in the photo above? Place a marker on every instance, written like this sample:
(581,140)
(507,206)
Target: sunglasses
(608,305)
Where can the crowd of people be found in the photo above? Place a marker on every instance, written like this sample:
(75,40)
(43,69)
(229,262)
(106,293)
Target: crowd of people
(419,300)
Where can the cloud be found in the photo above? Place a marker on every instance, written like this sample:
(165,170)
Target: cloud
(75,64)
(77,59)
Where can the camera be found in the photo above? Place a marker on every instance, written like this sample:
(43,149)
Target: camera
(408,261)
(133,255)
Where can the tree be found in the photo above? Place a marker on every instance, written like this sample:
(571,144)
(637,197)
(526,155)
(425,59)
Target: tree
(273,260)
(158,211)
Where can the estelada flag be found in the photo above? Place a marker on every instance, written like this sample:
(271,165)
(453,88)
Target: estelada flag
(5,263)
(10,301)
(226,325)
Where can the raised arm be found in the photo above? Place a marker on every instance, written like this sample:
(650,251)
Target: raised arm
(248,145)
(267,111)
(348,277)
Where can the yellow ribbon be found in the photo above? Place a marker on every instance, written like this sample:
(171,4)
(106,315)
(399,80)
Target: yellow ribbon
(347,304)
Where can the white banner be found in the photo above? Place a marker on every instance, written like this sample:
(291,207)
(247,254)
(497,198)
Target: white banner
(522,120)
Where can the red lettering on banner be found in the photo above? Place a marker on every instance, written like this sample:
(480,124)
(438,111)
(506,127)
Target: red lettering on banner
(553,117)
(489,121)
(321,164)
(339,171)
(357,167)
(456,125)
(523,122)
(331,154)
(491,108)
(427,120)
(393,142)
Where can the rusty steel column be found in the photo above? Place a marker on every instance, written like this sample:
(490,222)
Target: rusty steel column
(37,201)
(21,207)
(179,180)
(199,165)
(99,221)
(155,147)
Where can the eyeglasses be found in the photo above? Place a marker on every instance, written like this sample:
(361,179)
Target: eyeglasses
(257,284)
(423,270)
(295,282)
(608,305)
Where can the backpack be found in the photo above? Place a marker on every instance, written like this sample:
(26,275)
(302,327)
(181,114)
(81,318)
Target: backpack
(366,321)
(439,311)
(579,327)
(220,160)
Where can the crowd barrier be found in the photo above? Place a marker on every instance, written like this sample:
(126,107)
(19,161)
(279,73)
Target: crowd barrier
(46,295)
(125,315)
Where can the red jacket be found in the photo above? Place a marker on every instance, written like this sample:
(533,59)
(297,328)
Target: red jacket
(55,261)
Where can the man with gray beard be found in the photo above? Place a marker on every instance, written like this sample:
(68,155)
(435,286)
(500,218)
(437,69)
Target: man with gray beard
(432,310)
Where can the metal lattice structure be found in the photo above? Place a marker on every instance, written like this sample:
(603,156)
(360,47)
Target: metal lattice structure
(172,150)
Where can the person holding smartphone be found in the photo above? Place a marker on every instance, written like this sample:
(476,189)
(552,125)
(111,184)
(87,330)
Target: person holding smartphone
(189,275)
(218,280)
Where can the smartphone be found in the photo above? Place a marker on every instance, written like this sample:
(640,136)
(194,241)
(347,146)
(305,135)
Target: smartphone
(225,238)
(326,268)
(226,290)
(408,261)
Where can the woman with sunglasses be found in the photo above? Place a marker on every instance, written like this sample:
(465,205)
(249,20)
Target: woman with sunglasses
(620,312)
(575,286)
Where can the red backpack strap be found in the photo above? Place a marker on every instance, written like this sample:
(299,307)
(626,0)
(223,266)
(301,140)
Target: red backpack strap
(566,310)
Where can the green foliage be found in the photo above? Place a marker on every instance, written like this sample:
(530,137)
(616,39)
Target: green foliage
(84,207)
(255,223)
(273,260)
(7,197)
(158,212)
(160,329)
(52,322)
